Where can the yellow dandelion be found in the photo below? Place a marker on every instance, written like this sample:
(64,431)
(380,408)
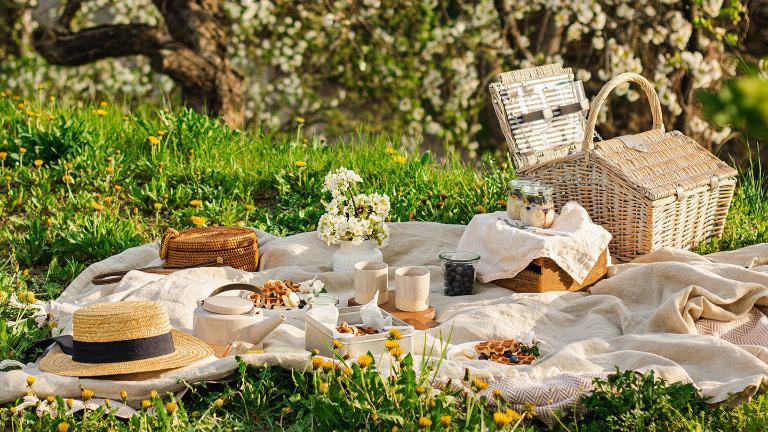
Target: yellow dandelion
(20,106)
(70,402)
(301,164)
(13,410)
(161,132)
(123,394)
(196,203)
(171,407)
(513,415)
(157,206)
(145,404)
(498,394)
(67,178)
(22,150)
(52,98)
(107,403)
(110,158)
(249,207)
(99,113)
(96,206)
(68,166)
(394,333)
(396,352)
(103,104)
(197,220)
(420,390)
(445,420)
(31,114)
(337,344)
(153,394)
(501,419)
(109,170)
(390,150)
(30,380)
(3,155)
(62,427)
(50,222)
(218,402)
(530,410)
(324,387)
(166,110)
(390,343)
(51,399)
(87,393)
(300,120)
(30,297)
(317,362)
(109,199)
(479,384)
(347,371)
(38,163)
(365,360)
(425,422)
(327,365)
(118,188)
(154,140)
(399,159)
(286,410)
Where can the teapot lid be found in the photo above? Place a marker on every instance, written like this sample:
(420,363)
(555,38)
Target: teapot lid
(227,305)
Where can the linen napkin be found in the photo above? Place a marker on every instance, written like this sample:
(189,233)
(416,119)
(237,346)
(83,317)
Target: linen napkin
(506,251)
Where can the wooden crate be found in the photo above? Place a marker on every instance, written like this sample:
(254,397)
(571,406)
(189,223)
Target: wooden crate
(543,275)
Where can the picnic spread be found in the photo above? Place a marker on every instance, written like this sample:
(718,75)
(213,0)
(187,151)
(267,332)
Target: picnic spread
(585,272)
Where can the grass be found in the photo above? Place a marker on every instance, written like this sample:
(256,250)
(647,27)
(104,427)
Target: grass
(108,179)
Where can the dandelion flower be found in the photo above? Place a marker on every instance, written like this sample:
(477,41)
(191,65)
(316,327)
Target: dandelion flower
(390,150)
(110,170)
(394,333)
(22,150)
(161,132)
(52,98)
(154,140)
(396,352)
(301,164)
(108,199)
(145,404)
(123,394)
(118,188)
(68,166)
(390,343)
(31,114)
(399,159)
(513,415)
(530,410)
(171,407)
(3,155)
(479,384)
(197,220)
(196,203)
(218,402)
(13,410)
(337,344)
(30,297)
(153,394)
(425,422)
(327,365)
(62,427)
(324,387)
(96,206)
(286,410)
(445,420)
(157,206)
(365,360)
(103,104)
(87,393)
(300,120)
(38,163)
(67,178)
(498,394)
(99,113)
(317,362)
(30,380)
(51,399)
(501,419)
(20,106)
(70,402)
(249,207)
(420,390)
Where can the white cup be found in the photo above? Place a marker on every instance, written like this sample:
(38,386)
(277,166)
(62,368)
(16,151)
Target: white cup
(371,277)
(411,289)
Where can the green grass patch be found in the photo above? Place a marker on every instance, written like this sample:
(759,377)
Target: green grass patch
(79,184)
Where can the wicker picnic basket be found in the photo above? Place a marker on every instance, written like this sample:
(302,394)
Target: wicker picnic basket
(236,247)
(649,190)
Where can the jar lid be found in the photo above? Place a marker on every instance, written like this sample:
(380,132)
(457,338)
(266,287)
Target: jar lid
(227,305)
(460,257)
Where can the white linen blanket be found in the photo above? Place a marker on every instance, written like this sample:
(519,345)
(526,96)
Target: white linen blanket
(643,318)
(506,251)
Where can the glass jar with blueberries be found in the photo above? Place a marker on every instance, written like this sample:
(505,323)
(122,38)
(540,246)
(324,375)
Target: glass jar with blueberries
(459,272)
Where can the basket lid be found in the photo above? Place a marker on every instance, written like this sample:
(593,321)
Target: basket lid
(208,239)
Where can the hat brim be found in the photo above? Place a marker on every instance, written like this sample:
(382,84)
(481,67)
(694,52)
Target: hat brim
(189,349)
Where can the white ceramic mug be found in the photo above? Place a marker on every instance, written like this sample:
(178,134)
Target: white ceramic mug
(371,277)
(411,289)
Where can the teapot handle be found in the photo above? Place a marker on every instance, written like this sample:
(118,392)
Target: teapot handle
(237,287)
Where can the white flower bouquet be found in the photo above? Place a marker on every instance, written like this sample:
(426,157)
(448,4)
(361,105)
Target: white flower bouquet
(350,215)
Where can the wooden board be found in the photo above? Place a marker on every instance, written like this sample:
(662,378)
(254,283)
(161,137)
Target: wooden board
(421,320)
(543,275)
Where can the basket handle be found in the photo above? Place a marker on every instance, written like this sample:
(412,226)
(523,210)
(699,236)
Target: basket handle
(650,94)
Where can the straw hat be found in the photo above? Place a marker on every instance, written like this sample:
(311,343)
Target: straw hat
(123,338)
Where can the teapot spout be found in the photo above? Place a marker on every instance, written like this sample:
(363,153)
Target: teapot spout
(261,330)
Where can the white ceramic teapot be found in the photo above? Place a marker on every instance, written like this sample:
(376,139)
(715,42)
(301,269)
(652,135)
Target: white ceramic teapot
(222,320)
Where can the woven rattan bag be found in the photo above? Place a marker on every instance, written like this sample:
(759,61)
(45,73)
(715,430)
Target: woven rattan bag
(236,247)
(649,190)
(200,247)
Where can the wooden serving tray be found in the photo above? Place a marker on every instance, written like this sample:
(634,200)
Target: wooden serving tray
(543,275)
(421,320)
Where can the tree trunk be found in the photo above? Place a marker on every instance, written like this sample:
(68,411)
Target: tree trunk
(756,41)
(10,13)
(191,48)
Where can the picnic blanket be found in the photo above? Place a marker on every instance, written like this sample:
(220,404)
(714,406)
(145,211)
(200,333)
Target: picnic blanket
(668,312)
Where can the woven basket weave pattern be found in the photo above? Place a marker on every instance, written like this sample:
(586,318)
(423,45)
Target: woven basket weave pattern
(675,193)
(237,247)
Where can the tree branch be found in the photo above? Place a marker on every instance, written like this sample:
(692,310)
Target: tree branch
(68,14)
(96,43)
(510,29)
